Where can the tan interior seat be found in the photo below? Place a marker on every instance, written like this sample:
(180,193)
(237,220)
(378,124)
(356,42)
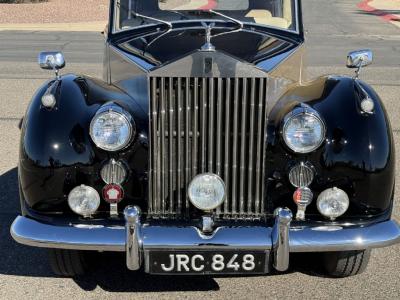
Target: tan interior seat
(263,16)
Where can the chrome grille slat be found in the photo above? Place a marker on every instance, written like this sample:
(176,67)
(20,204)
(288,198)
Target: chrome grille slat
(200,125)
(162,148)
(211,126)
(263,151)
(187,138)
(171,174)
(227,141)
(218,170)
(179,145)
(243,145)
(259,146)
(153,144)
(195,119)
(203,124)
(235,144)
(251,146)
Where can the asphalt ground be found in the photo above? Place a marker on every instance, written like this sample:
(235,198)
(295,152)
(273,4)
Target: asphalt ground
(334,28)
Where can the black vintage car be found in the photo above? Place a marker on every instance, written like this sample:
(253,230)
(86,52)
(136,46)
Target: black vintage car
(204,150)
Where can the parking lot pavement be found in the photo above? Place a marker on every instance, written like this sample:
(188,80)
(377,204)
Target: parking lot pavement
(24,271)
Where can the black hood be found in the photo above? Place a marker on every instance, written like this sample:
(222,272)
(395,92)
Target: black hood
(250,46)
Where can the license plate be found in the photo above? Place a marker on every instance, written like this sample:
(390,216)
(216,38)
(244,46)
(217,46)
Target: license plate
(207,262)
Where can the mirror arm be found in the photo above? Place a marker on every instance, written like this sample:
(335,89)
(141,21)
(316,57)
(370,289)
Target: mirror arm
(358,70)
(53,65)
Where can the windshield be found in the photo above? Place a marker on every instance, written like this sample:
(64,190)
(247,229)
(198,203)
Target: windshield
(274,13)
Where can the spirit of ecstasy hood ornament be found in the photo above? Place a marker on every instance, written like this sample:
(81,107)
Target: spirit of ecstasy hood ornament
(208,46)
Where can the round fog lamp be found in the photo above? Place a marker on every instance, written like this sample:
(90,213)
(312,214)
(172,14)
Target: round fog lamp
(207,191)
(333,203)
(84,200)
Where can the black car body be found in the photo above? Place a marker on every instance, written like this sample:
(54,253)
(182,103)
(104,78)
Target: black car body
(211,91)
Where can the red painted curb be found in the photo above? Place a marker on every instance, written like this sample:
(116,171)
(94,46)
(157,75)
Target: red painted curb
(364,5)
(210,5)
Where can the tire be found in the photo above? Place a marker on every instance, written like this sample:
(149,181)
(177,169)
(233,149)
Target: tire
(68,263)
(346,263)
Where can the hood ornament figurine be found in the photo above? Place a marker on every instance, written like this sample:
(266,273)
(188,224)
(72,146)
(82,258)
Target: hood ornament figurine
(208,46)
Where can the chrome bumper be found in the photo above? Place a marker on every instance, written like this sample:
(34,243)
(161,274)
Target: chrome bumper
(137,239)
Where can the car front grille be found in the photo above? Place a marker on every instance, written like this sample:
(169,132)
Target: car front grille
(207,125)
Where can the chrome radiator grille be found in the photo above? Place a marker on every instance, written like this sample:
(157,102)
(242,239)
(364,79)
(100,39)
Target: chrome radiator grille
(200,125)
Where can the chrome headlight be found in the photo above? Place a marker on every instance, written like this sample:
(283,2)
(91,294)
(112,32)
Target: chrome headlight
(112,128)
(303,130)
(207,191)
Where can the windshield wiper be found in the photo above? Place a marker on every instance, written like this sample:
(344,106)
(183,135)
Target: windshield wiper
(144,17)
(137,15)
(239,23)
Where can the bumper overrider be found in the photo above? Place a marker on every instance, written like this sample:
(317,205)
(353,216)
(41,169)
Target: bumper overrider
(138,240)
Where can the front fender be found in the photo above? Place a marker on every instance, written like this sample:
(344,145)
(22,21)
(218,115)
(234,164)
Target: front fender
(56,152)
(358,154)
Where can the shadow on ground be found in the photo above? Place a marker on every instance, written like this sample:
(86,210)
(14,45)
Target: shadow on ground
(108,270)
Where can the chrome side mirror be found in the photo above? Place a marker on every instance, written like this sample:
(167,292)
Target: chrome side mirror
(359,59)
(51,61)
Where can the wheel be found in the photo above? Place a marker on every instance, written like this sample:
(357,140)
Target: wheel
(346,263)
(69,263)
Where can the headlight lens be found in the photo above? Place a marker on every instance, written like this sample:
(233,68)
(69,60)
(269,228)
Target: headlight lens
(111,130)
(333,203)
(207,191)
(84,200)
(303,131)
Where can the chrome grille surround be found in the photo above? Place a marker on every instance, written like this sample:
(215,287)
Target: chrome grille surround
(208,124)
